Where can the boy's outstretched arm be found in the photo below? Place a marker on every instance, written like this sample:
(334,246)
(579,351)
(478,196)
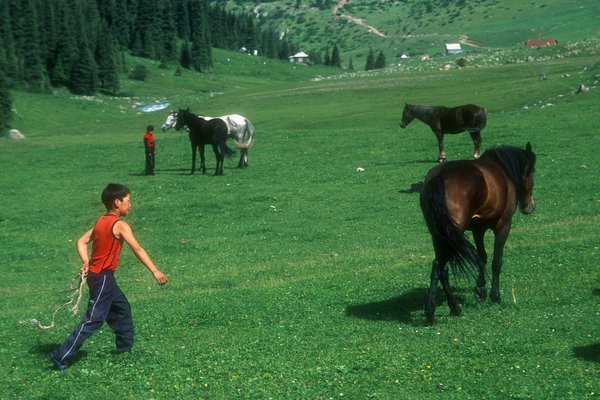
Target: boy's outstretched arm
(82,250)
(123,231)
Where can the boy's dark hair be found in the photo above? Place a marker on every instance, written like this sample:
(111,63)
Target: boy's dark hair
(112,192)
(150,128)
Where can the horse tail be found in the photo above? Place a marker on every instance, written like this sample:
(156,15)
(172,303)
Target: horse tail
(449,239)
(249,133)
(225,150)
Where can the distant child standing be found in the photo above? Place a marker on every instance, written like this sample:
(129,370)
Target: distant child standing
(107,303)
(150,149)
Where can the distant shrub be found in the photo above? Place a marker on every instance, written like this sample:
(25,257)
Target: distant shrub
(139,73)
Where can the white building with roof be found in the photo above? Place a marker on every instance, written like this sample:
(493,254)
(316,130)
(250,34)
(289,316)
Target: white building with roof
(453,48)
(299,58)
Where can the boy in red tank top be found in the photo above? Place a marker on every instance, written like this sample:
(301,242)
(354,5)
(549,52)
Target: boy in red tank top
(150,149)
(107,303)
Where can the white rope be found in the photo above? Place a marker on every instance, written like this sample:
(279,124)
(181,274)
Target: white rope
(75,297)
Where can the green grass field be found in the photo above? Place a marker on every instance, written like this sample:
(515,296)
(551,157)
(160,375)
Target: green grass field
(301,278)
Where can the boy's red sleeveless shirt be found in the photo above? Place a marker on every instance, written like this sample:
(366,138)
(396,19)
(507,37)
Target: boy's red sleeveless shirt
(149,137)
(106,248)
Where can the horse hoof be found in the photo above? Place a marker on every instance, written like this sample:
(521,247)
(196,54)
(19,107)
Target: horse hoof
(480,294)
(456,312)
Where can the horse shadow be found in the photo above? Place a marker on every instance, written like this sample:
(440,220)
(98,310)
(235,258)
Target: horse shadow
(414,188)
(399,308)
(588,353)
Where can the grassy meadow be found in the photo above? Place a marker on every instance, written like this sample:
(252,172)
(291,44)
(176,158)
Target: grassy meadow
(301,278)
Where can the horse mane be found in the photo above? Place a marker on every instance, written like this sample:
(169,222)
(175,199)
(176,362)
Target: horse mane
(514,162)
(426,112)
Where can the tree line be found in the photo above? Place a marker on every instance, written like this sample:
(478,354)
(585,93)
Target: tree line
(80,44)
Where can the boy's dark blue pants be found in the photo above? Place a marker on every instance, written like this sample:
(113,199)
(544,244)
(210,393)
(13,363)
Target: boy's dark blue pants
(107,303)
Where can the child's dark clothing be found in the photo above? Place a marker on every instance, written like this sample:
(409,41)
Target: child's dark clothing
(107,302)
(149,148)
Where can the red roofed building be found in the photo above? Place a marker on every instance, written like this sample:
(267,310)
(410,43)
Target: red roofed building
(533,43)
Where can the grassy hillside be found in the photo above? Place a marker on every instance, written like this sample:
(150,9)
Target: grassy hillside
(422,27)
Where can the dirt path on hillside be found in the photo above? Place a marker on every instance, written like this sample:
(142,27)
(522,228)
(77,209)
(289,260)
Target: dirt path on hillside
(358,21)
(463,39)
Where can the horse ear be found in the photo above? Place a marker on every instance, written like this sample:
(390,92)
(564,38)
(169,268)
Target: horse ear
(528,147)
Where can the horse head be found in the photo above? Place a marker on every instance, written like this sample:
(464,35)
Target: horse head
(170,121)
(526,202)
(407,116)
(182,118)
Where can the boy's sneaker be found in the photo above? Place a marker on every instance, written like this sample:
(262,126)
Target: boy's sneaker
(57,363)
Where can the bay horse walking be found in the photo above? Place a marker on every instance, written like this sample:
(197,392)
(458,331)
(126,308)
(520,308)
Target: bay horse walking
(474,195)
(442,120)
(239,128)
(203,132)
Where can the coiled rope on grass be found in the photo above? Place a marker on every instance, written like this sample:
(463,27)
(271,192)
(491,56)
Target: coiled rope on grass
(74,302)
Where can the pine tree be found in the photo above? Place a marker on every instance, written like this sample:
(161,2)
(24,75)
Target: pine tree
(65,47)
(5,98)
(335,57)
(116,15)
(326,57)
(284,50)
(48,28)
(84,76)
(7,44)
(34,75)
(185,56)
(380,61)
(147,36)
(246,32)
(182,18)
(269,43)
(315,57)
(369,65)
(168,29)
(106,58)
(201,52)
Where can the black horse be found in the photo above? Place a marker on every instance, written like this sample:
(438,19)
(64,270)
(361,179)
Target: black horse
(441,120)
(474,195)
(202,132)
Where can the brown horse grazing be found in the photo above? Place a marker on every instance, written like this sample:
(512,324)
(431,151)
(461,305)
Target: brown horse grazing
(441,120)
(474,195)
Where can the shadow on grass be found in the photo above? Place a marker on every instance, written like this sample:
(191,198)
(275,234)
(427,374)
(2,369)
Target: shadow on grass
(588,353)
(398,308)
(43,351)
(414,188)
(43,348)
